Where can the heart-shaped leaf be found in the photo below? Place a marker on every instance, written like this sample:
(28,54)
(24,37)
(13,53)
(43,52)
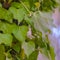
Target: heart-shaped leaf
(28,47)
(6,39)
(20,33)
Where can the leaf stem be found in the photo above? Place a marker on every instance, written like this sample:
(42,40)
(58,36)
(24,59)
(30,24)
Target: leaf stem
(25,7)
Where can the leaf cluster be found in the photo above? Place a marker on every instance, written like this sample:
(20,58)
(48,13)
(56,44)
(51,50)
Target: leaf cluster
(23,28)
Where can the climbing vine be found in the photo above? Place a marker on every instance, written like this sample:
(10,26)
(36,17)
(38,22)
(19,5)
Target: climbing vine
(24,25)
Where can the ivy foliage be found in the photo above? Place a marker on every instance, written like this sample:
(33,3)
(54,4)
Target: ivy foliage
(23,28)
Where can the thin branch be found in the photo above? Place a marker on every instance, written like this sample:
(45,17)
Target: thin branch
(25,7)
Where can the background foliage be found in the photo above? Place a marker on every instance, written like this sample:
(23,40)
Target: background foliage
(23,28)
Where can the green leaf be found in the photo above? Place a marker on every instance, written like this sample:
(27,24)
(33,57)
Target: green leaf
(16,47)
(28,20)
(16,4)
(2,51)
(19,5)
(28,47)
(6,39)
(47,5)
(42,21)
(9,16)
(39,42)
(45,52)
(31,3)
(7,28)
(18,13)
(20,33)
(52,53)
(6,15)
(27,4)
(33,55)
